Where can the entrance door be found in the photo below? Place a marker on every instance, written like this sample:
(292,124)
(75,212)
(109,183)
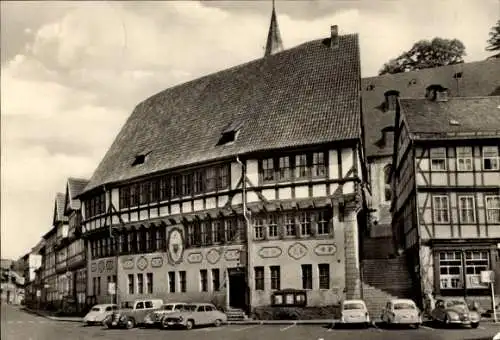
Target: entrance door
(237,290)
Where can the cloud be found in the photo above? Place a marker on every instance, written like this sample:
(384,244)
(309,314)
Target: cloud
(73,71)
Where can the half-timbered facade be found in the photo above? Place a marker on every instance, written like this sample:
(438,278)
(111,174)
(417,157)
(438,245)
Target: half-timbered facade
(447,191)
(237,186)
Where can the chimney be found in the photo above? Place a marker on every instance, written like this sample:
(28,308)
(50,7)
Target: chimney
(334,38)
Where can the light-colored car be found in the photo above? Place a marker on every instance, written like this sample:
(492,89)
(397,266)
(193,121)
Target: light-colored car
(454,311)
(98,313)
(195,314)
(354,312)
(132,314)
(402,312)
(155,319)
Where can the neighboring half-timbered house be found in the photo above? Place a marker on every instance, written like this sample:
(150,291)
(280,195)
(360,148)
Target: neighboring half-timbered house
(446,180)
(237,186)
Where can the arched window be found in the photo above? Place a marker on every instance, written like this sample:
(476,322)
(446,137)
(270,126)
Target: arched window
(387,182)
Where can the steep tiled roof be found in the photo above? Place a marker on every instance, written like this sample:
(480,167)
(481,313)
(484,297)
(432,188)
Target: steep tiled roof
(74,188)
(302,96)
(457,117)
(466,80)
(59,208)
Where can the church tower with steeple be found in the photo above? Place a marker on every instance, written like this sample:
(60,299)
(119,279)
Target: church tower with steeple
(274,43)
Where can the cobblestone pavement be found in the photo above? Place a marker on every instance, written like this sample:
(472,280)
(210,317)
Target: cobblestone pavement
(17,324)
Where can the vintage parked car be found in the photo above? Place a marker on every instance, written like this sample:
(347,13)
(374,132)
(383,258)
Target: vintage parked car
(155,319)
(98,313)
(354,312)
(454,312)
(132,314)
(402,312)
(195,314)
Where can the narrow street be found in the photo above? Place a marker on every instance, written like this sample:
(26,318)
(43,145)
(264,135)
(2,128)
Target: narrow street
(18,324)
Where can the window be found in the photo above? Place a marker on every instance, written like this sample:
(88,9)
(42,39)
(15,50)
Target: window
(139,305)
(450,270)
(441,214)
(259,278)
(171,282)
(211,180)
(160,238)
(134,195)
(187,183)
(231,225)
(490,158)
(124,197)
(149,278)
(216,279)
(94,286)
(438,159)
(467,209)
(148,304)
(475,263)
(306,276)
(145,193)
(164,188)
(140,284)
(176,187)
(318,165)
(204,280)
(258,228)
(272,226)
(182,281)
(275,277)
(305,224)
(323,223)
(205,233)
(493,209)
(301,170)
(324,275)
(190,234)
(464,158)
(99,286)
(290,229)
(216,231)
(267,170)
(154,191)
(198,182)
(284,168)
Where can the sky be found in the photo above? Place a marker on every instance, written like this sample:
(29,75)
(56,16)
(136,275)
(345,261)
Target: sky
(72,72)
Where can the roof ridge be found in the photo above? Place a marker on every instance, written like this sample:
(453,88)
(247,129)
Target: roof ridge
(450,98)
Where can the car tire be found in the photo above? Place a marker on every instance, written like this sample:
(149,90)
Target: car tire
(217,323)
(416,326)
(474,324)
(189,324)
(130,323)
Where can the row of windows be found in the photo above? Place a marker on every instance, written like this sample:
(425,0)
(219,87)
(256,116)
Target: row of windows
(174,186)
(466,209)
(292,224)
(140,283)
(454,264)
(286,168)
(307,277)
(210,232)
(95,206)
(465,158)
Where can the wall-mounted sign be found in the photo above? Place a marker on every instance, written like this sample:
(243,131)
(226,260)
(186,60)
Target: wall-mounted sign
(175,245)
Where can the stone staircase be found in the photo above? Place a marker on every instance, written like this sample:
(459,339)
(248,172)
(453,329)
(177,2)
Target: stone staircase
(234,314)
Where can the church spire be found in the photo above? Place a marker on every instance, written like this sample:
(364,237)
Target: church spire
(274,43)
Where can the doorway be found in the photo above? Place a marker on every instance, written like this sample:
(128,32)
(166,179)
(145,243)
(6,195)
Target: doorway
(237,289)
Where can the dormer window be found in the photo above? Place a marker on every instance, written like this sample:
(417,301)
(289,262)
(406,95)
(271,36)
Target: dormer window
(391,98)
(387,134)
(230,133)
(140,159)
(436,92)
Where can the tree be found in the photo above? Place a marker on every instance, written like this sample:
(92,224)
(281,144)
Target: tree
(427,54)
(494,40)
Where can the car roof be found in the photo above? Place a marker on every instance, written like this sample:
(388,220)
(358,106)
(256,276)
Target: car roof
(175,303)
(200,304)
(402,301)
(104,305)
(353,301)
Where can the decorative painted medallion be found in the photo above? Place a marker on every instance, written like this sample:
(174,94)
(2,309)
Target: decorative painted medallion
(232,255)
(297,251)
(325,249)
(93,267)
(270,252)
(142,263)
(100,266)
(213,256)
(109,265)
(175,245)
(157,262)
(195,257)
(128,263)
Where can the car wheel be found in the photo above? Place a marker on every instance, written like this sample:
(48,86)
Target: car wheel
(417,325)
(130,323)
(474,324)
(189,324)
(217,323)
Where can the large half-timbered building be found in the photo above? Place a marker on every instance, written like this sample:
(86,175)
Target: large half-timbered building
(446,181)
(241,187)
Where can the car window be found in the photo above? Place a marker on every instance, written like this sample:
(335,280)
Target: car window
(404,305)
(167,307)
(149,304)
(115,307)
(179,307)
(108,309)
(209,308)
(190,308)
(201,309)
(140,305)
(350,306)
(96,309)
